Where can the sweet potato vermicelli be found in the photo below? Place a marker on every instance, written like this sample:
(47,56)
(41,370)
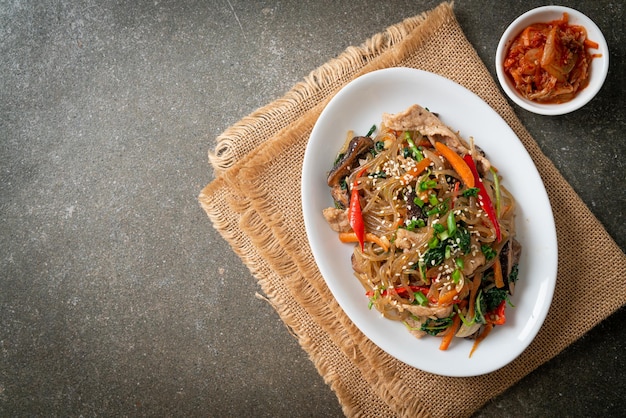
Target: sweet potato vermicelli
(433,223)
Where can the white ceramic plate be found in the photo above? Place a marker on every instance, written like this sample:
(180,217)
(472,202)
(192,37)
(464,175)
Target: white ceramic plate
(359,105)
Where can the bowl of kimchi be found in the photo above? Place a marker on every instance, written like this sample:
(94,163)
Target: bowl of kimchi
(552,60)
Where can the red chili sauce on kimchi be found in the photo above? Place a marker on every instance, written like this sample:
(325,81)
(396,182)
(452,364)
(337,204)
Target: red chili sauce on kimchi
(549,62)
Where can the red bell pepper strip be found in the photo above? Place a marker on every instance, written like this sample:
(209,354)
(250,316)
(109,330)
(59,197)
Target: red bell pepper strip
(354,215)
(484,199)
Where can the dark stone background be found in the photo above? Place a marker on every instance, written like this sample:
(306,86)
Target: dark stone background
(117,297)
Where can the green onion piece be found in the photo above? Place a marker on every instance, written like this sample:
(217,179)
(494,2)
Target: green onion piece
(419,202)
(415,223)
(459,263)
(421,298)
(448,250)
(496,184)
(463,319)
(478,306)
(451,223)
(417,154)
(456,276)
(371,131)
(437,206)
(427,184)
(433,242)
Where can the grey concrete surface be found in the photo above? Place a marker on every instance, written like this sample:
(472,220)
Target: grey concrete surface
(117,297)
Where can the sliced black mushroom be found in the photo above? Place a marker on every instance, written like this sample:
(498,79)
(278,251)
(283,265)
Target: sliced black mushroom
(414,212)
(358,146)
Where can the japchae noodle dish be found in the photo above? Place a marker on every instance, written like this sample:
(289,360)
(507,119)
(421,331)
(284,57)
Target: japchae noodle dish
(432,223)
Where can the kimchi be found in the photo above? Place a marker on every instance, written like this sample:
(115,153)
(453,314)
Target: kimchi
(550,62)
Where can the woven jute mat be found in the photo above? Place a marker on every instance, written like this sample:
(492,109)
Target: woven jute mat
(257,164)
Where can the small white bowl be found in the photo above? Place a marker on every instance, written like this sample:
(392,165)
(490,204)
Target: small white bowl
(599,66)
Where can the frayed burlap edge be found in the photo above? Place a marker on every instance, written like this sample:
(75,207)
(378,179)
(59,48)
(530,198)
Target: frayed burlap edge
(254,129)
(226,210)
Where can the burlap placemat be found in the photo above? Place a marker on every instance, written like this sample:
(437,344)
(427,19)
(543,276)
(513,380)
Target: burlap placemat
(247,205)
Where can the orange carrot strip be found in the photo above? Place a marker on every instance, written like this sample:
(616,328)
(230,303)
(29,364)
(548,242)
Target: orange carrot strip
(445,342)
(447,298)
(347,237)
(419,167)
(497,273)
(591,44)
(457,163)
(481,337)
(398,223)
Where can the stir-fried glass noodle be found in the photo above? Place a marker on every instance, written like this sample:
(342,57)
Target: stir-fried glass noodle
(433,223)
